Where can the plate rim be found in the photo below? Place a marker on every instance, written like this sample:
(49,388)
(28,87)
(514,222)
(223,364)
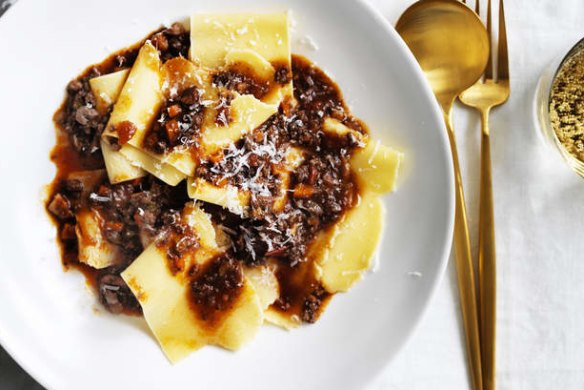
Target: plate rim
(437,113)
(375,13)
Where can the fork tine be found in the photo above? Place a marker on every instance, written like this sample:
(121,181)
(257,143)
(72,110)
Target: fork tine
(489,69)
(503,56)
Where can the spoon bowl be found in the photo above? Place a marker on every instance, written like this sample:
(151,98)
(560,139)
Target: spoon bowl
(449,41)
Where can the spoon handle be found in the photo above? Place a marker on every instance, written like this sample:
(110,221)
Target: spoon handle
(464,266)
(487,259)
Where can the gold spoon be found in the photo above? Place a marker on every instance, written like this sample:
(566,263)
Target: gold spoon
(452,46)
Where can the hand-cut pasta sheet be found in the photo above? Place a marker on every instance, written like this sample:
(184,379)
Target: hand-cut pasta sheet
(167,308)
(282,320)
(247,113)
(178,75)
(376,167)
(181,159)
(138,102)
(260,66)
(119,168)
(347,250)
(129,162)
(229,197)
(222,41)
(165,172)
(336,128)
(214,35)
(94,249)
(265,284)
(250,62)
(233,197)
(107,88)
(140,98)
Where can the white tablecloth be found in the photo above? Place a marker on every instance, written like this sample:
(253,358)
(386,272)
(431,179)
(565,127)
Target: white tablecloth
(539,211)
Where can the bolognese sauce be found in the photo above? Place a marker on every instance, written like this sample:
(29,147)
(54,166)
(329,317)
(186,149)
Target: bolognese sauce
(133,214)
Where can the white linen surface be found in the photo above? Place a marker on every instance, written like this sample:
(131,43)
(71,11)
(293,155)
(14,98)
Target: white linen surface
(539,212)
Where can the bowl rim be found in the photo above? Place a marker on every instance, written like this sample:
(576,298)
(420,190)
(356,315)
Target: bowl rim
(541,107)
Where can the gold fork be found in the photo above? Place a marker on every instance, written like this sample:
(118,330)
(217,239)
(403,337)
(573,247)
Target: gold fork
(484,95)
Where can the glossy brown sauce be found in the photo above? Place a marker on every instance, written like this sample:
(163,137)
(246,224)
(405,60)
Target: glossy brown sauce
(178,240)
(214,289)
(321,190)
(301,294)
(178,122)
(243,79)
(69,159)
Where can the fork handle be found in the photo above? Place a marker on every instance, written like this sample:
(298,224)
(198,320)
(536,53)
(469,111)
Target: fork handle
(464,265)
(487,261)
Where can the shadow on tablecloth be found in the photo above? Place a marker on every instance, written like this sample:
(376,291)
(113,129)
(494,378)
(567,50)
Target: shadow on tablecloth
(12,377)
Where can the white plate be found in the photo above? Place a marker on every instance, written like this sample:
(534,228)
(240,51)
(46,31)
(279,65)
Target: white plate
(48,320)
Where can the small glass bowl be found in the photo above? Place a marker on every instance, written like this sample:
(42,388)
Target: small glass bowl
(541,108)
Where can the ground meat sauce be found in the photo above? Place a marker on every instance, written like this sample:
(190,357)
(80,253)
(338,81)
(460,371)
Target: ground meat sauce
(179,122)
(322,188)
(243,79)
(115,295)
(138,212)
(130,211)
(172,42)
(215,288)
(300,292)
(134,212)
(78,120)
(178,239)
(125,131)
